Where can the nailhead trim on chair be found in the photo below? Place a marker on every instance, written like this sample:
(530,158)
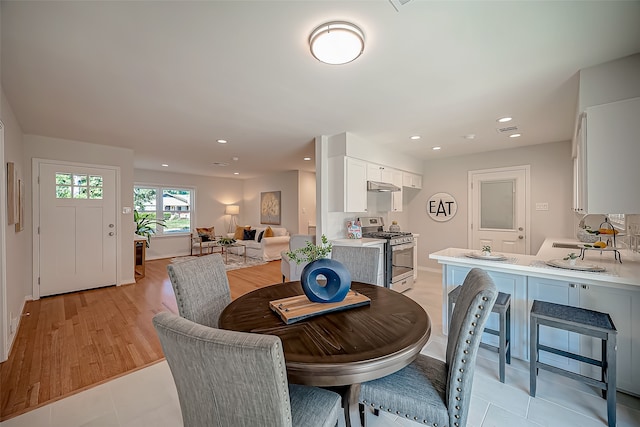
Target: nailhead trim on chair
(458,389)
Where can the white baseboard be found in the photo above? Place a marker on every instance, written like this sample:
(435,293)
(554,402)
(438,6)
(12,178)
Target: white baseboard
(12,334)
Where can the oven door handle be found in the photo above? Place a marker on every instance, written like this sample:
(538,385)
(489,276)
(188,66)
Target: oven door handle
(403,247)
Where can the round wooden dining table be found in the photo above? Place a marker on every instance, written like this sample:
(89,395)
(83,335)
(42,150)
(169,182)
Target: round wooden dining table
(338,349)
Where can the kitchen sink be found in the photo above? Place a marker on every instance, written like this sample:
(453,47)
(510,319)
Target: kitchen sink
(565,245)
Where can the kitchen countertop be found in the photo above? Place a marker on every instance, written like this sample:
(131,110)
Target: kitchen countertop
(358,242)
(616,274)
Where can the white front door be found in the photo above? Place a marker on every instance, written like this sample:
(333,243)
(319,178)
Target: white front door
(498,213)
(77,227)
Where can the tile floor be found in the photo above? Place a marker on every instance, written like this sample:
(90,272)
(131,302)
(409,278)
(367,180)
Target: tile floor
(148,397)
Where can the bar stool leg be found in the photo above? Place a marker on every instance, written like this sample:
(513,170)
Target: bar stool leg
(509,333)
(502,353)
(611,379)
(533,356)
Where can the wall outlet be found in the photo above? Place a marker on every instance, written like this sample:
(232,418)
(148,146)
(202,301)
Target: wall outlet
(542,206)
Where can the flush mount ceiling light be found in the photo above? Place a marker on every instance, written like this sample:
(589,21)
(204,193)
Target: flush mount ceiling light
(415,137)
(504,119)
(336,42)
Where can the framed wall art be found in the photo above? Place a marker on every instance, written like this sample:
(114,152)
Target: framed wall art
(270,207)
(11,193)
(20,206)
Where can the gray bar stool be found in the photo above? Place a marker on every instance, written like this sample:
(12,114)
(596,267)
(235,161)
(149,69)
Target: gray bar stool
(583,321)
(503,308)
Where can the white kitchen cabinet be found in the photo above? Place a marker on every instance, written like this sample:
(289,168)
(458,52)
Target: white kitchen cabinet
(513,284)
(625,316)
(606,157)
(411,180)
(348,184)
(379,173)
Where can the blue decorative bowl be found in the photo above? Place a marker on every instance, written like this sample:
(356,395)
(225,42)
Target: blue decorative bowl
(338,280)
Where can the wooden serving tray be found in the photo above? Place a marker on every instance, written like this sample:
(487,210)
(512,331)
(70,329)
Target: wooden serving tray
(295,309)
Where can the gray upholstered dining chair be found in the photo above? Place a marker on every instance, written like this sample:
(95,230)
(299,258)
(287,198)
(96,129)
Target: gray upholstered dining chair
(201,287)
(361,261)
(291,270)
(227,378)
(430,391)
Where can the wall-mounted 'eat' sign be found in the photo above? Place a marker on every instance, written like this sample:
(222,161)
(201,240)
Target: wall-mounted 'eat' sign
(442,207)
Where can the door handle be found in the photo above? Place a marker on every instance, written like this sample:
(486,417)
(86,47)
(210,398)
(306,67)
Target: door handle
(111,225)
(520,228)
(520,237)
(111,233)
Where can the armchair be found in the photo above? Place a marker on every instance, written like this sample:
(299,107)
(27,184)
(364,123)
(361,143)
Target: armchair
(290,270)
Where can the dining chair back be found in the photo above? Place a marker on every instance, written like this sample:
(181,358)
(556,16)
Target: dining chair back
(361,261)
(435,392)
(291,270)
(227,379)
(201,287)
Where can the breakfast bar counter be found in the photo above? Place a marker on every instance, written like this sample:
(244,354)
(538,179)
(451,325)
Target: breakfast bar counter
(616,291)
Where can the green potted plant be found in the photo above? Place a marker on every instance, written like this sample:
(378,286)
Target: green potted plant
(486,250)
(226,241)
(145,225)
(311,252)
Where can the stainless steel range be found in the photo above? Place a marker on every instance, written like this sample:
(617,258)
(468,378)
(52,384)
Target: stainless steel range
(398,253)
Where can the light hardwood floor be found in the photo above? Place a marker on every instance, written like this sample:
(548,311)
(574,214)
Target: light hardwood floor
(69,343)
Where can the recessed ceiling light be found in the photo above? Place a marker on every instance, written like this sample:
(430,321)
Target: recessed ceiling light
(235,159)
(307,158)
(236,173)
(515,135)
(415,137)
(164,165)
(222,141)
(504,119)
(436,148)
(470,136)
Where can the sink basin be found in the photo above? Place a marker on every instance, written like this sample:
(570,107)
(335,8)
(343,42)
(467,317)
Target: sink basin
(565,245)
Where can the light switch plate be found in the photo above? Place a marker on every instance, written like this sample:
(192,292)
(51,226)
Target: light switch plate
(542,206)
(126,210)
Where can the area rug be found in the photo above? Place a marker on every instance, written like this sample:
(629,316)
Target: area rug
(235,261)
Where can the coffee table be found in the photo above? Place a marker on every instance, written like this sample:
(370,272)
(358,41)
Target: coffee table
(224,250)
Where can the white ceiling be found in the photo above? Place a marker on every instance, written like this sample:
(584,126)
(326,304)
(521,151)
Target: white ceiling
(167,79)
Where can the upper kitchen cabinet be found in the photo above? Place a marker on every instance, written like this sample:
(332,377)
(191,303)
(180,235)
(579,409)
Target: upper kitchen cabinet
(606,169)
(379,173)
(411,180)
(348,184)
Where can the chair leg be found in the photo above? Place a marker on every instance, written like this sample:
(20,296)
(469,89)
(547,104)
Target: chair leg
(533,357)
(362,416)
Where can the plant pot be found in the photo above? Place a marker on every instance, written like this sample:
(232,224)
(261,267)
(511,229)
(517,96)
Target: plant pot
(486,253)
(337,285)
(572,261)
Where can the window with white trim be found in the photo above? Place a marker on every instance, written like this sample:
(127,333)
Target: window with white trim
(172,204)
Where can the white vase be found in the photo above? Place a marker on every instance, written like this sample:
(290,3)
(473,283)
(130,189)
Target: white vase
(572,261)
(486,253)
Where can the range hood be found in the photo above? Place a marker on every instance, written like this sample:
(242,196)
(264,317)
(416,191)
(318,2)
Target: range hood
(381,186)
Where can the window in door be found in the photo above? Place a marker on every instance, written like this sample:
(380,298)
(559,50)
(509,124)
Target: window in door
(78,186)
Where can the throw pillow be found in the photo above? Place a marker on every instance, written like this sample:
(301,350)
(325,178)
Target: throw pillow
(239,234)
(206,233)
(249,235)
(260,236)
(268,232)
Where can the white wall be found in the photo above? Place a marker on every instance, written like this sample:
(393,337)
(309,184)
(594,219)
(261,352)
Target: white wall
(307,201)
(43,147)
(551,182)
(212,195)
(287,184)
(18,259)
(609,82)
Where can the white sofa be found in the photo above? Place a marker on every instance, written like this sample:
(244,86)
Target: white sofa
(269,248)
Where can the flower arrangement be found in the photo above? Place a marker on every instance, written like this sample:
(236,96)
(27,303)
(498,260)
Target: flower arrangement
(486,248)
(311,252)
(572,255)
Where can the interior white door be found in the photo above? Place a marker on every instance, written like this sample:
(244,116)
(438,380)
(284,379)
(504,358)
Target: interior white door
(77,228)
(499,200)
